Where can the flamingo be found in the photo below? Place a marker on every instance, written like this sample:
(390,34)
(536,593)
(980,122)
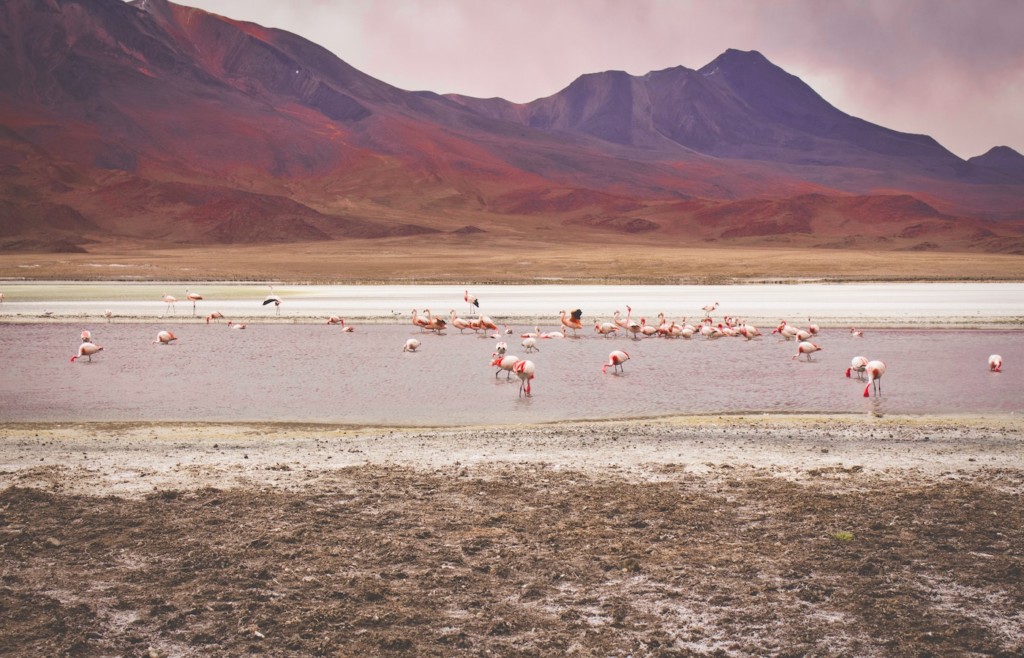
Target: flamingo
(471,300)
(459,323)
(108,314)
(811,327)
(875,370)
(505,363)
(803,334)
(418,320)
(508,330)
(709,309)
(574,322)
(635,328)
(165,338)
(858,364)
(500,348)
(411,345)
(1,298)
(530,343)
(487,323)
(170,301)
(748,331)
(615,359)
(236,325)
(536,333)
(334,319)
(216,315)
(806,348)
(193,297)
(346,328)
(786,330)
(647,329)
(436,325)
(86,336)
(856,333)
(275,300)
(606,328)
(554,334)
(621,321)
(995,363)
(524,371)
(86,349)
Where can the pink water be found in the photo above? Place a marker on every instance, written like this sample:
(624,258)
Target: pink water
(316,373)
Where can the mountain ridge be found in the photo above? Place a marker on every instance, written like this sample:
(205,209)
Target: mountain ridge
(209,120)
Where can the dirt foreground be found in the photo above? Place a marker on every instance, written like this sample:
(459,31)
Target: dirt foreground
(731,536)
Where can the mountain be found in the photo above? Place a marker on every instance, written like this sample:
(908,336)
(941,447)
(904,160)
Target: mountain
(161,124)
(1002,159)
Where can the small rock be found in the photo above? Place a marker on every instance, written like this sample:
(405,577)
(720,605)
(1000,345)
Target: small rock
(53,542)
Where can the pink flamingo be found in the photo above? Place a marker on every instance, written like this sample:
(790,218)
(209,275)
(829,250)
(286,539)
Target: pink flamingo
(525,372)
(995,363)
(615,359)
(573,322)
(216,315)
(170,300)
(856,333)
(411,345)
(87,350)
(193,297)
(86,336)
(471,300)
(806,348)
(165,338)
(459,323)
(875,370)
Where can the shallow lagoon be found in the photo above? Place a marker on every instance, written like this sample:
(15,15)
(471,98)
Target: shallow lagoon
(315,373)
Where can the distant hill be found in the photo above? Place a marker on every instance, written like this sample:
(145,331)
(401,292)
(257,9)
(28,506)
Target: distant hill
(163,124)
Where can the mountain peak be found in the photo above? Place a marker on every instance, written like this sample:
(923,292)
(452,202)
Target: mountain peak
(1001,158)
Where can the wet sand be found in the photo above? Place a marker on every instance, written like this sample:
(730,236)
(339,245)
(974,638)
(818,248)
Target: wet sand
(731,535)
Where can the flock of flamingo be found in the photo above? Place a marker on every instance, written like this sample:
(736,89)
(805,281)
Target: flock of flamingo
(525,369)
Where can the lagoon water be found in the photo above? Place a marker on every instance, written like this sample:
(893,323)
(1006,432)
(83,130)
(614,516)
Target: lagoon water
(308,372)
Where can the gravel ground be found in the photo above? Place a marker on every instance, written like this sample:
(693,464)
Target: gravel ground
(735,536)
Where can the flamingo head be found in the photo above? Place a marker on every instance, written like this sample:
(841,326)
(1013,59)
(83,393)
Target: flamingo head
(867,390)
(848,372)
(73,358)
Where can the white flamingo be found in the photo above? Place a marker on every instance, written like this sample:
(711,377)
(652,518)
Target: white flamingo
(807,348)
(858,364)
(86,350)
(875,370)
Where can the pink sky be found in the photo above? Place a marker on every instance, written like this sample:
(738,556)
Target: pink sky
(951,69)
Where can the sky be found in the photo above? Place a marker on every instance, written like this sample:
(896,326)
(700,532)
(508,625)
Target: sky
(952,69)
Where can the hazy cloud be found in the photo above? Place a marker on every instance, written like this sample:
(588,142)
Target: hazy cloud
(950,69)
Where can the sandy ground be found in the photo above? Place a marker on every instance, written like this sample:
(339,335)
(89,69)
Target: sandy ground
(735,536)
(491,258)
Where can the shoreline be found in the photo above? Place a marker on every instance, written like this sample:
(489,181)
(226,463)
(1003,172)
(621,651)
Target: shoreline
(135,458)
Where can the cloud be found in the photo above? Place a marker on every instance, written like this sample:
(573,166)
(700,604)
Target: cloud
(950,69)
